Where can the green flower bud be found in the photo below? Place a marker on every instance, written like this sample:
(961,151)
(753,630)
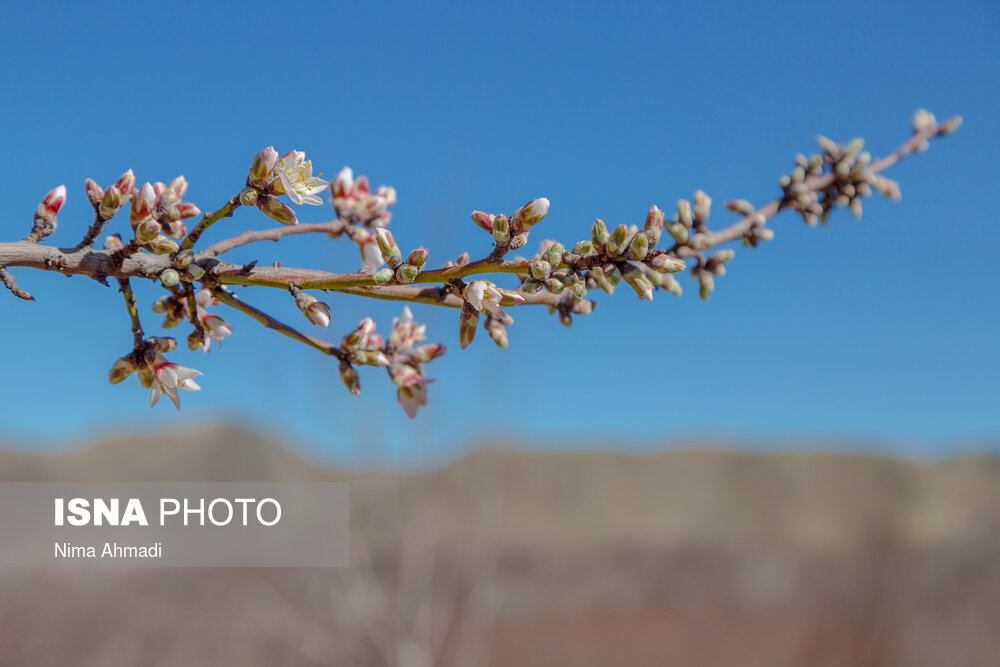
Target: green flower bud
(599,233)
(169,277)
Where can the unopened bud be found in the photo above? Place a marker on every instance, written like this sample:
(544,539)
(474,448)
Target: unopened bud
(125,183)
(530,214)
(597,273)
(161,245)
(554,254)
(162,344)
(391,254)
(740,207)
(666,264)
(540,269)
(654,219)
(638,282)
(263,164)
(142,204)
(120,370)
(684,214)
(383,276)
(183,259)
(169,277)
(182,211)
(518,241)
(95,193)
(599,233)
(584,248)
(616,243)
(147,230)
(175,191)
(638,248)
(483,220)
(679,232)
(417,258)
(951,125)
(584,307)
(706,283)
(248,197)
(407,273)
(531,286)
(468,320)
(276,209)
(349,376)
(315,310)
(501,229)
(195,272)
(702,207)
(923,120)
(110,203)
(497,332)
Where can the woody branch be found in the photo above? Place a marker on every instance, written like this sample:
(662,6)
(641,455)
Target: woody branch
(161,249)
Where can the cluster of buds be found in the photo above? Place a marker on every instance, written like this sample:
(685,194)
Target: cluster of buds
(511,233)
(850,181)
(398,270)
(400,355)
(212,328)
(407,360)
(354,202)
(157,213)
(45,222)
(155,373)
(270,177)
(627,253)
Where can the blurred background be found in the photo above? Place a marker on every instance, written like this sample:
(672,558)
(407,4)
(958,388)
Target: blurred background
(801,470)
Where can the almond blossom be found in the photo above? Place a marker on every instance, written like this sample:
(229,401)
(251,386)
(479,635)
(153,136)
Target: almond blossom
(167,378)
(297,181)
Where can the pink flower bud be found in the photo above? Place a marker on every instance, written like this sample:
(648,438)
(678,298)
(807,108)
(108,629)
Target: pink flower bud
(125,183)
(262,167)
(343,183)
(142,205)
(175,191)
(53,201)
(94,192)
(182,211)
(147,230)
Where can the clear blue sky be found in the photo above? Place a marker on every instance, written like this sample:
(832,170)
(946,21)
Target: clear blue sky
(882,329)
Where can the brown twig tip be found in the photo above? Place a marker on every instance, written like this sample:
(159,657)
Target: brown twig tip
(8,282)
(557,276)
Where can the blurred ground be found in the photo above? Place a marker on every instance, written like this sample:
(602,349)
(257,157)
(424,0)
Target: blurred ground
(513,558)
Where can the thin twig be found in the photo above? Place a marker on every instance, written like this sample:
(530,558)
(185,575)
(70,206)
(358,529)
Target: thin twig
(8,282)
(230,300)
(273,234)
(133,311)
(208,220)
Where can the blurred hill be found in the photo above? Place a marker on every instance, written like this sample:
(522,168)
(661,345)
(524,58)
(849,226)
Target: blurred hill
(698,556)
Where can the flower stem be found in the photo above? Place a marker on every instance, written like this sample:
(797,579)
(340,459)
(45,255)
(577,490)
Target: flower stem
(230,300)
(133,311)
(208,221)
